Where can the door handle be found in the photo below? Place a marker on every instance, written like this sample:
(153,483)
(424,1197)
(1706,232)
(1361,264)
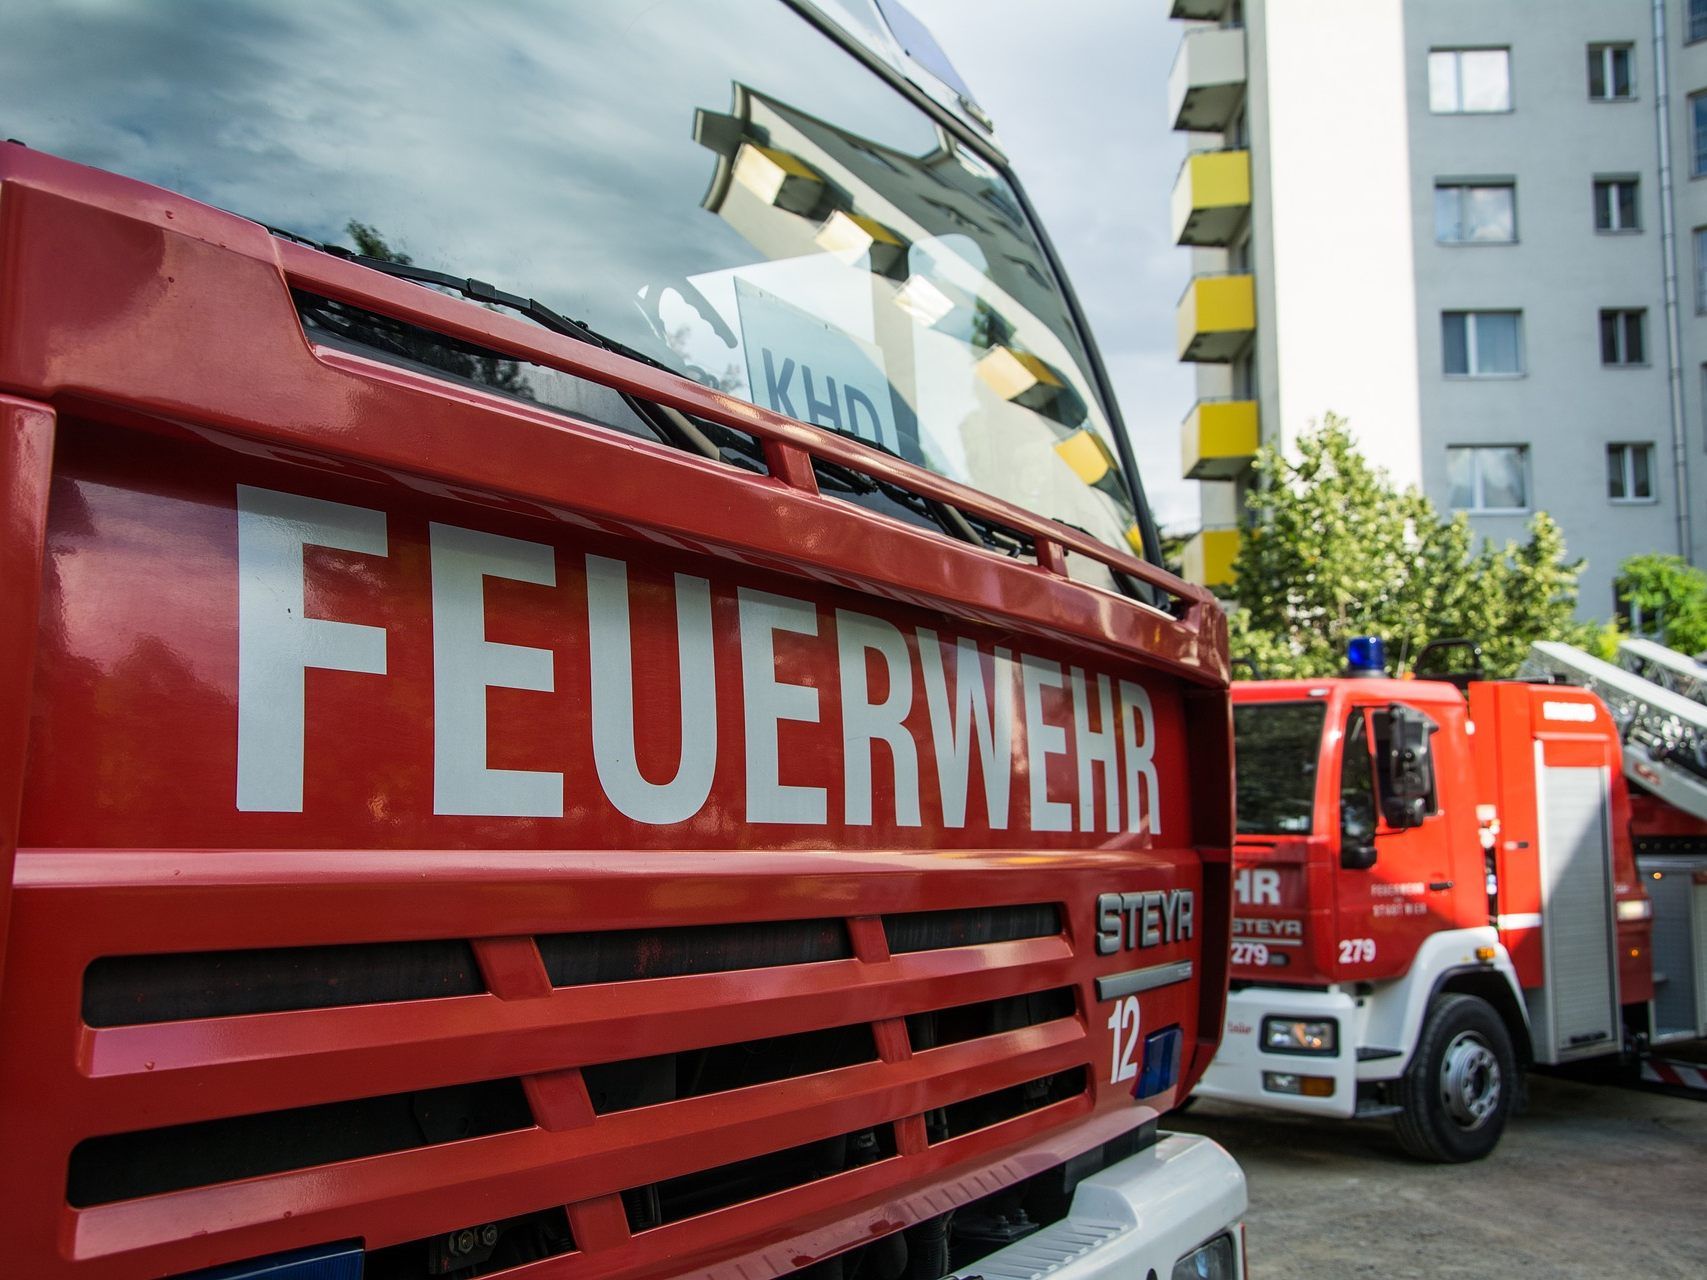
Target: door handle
(1437,886)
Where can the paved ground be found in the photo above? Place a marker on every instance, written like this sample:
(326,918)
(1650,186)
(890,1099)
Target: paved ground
(1590,1181)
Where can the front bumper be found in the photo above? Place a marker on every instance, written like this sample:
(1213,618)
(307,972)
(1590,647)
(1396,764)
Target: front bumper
(1135,1218)
(1236,1074)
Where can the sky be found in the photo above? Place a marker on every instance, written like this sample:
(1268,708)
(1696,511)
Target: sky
(1078,92)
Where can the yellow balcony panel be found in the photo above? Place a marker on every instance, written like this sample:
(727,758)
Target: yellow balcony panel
(1212,198)
(1208,557)
(1218,439)
(1207,82)
(1215,319)
(1200,10)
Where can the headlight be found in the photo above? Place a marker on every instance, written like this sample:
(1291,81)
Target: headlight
(1636,909)
(1217,1260)
(1300,1035)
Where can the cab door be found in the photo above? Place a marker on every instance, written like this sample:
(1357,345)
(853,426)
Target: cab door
(1392,884)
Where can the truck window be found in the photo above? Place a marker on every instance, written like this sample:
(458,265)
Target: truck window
(1357,781)
(721,188)
(1276,746)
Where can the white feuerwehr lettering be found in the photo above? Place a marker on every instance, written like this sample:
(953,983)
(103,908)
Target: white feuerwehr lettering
(276,643)
(1043,740)
(609,643)
(1140,760)
(1095,747)
(466,664)
(865,722)
(973,717)
(768,701)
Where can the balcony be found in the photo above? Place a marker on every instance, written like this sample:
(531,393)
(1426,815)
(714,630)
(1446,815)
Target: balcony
(1212,197)
(1218,439)
(1208,79)
(1215,318)
(1208,558)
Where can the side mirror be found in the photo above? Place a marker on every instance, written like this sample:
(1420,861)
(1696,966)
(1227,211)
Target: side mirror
(1357,855)
(1406,754)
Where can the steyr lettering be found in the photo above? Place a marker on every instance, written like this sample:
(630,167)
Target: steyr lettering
(1132,921)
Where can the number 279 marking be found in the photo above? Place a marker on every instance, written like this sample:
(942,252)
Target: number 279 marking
(1357,950)
(1123,1024)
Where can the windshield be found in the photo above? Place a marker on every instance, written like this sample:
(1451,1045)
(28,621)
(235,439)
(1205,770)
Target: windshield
(1275,748)
(721,187)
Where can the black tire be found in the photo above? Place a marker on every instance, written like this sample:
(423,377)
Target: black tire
(1461,1083)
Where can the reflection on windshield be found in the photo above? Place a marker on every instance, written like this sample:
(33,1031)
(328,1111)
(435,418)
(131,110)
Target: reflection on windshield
(720,187)
(1275,746)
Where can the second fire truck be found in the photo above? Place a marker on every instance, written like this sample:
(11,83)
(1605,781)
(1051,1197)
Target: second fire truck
(1437,885)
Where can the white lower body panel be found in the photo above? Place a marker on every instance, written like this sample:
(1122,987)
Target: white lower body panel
(1240,1064)
(1139,1216)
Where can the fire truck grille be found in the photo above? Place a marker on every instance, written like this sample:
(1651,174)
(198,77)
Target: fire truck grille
(134,990)
(639,1082)
(127,1165)
(988,1109)
(738,1078)
(674,1199)
(987,1017)
(582,959)
(938,930)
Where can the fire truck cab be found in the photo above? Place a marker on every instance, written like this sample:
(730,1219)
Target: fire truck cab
(583,649)
(1434,887)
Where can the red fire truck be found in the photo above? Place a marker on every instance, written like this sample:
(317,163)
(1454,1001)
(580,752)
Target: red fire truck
(1435,887)
(584,688)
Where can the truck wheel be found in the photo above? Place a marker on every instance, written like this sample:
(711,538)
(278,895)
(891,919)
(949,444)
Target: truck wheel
(1458,1090)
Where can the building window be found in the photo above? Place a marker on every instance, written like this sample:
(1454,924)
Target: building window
(1630,472)
(1701,269)
(1482,344)
(1615,205)
(1611,75)
(1488,477)
(1622,336)
(1697,20)
(1475,213)
(1698,134)
(1469,80)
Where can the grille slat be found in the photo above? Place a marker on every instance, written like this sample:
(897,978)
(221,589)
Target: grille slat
(143,989)
(970,927)
(934,1029)
(149,1162)
(628,955)
(660,1203)
(959,1118)
(639,1082)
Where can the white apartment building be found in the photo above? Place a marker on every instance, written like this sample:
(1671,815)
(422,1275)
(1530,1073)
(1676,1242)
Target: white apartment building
(1475,228)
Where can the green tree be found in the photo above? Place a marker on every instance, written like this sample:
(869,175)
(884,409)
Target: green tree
(1335,551)
(1669,596)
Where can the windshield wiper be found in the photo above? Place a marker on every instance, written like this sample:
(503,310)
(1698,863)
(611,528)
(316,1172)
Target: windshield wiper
(668,421)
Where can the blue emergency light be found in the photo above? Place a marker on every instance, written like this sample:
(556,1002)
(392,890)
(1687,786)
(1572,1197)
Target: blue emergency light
(1366,656)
